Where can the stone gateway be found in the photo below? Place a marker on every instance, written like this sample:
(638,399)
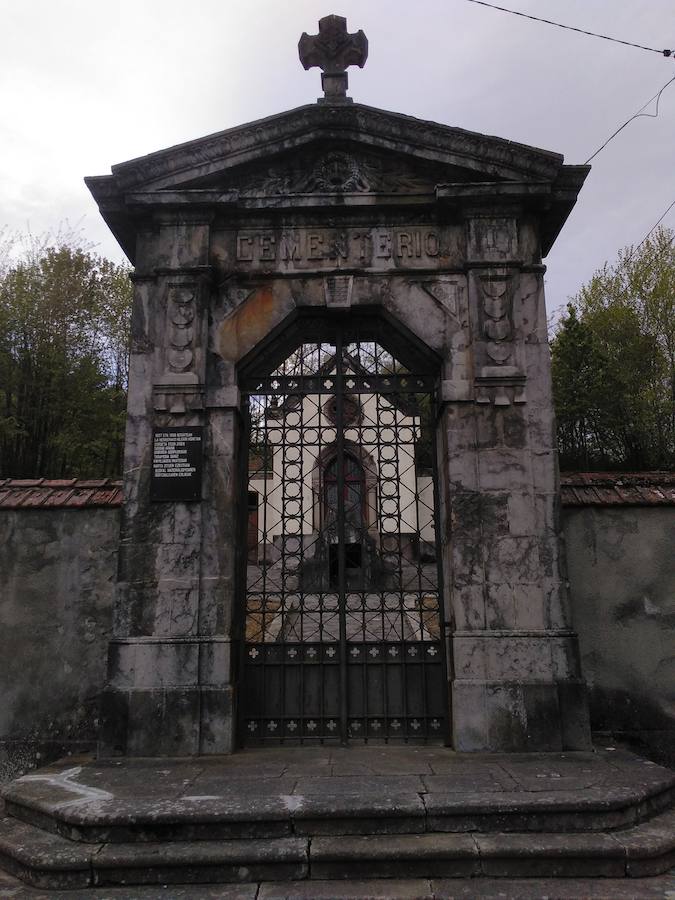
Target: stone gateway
(341,510)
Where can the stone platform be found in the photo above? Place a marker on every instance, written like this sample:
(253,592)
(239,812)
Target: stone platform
(295,814)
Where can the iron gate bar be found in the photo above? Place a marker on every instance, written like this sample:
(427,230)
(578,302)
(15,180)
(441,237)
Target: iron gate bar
(342,585)
(283,618)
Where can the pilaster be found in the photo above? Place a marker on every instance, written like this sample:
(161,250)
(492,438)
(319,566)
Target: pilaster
(516,678)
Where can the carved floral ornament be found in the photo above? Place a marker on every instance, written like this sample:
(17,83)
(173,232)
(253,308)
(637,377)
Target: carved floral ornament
(336,172)
(501,382)
(497,318)
(181,313)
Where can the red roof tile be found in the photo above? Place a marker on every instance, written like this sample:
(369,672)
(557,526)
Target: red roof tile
(577,489)
(617,488)
(62,493)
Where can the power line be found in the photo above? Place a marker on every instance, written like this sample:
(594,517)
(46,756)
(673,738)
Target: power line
(637,115)
(654,227)
(604,37)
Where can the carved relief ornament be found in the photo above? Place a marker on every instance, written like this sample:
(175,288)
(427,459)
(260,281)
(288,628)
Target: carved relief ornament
(501,381)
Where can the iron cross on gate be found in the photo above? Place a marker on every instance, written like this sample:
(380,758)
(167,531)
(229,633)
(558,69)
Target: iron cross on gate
(333,49)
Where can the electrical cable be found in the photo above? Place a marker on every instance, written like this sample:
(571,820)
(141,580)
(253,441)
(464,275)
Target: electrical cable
(653,229)
(637,115)
(604,37)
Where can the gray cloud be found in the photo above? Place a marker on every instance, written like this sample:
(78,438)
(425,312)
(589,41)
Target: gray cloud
(86,85)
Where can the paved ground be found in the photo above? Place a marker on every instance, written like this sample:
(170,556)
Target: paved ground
(662,888)
(318,771)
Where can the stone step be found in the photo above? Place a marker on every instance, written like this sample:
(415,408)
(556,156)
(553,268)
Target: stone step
(362,807)
(48,860)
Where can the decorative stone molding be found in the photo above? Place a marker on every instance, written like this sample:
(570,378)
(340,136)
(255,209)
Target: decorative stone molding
(500,379)
(446,291)
(492,238)
(180,388)
(337,172)
(338,290)
(453,145)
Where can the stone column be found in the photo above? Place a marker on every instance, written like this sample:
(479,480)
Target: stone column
(515,680)
(168,667)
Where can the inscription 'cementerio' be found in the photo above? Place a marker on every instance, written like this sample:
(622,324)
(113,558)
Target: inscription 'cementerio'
(324,244)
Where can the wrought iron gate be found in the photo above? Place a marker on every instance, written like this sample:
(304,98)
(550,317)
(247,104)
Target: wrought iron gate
(342,633)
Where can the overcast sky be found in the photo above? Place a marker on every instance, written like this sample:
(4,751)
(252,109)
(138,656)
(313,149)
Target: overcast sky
(89,83)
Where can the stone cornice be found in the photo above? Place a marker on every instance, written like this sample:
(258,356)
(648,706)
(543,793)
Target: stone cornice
(497,171)
(184,163)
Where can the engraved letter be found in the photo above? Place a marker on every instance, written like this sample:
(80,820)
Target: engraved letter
(383,245)
(244,248)
(266,247)
(315,249)
(431,243)
(338,246)
(290,248)
(361,237)
(403,247)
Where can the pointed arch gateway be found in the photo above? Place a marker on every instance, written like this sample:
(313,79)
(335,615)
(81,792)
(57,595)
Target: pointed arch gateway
(340,604)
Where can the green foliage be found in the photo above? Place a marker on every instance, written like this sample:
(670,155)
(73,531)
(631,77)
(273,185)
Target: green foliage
(613,357)
(64,323)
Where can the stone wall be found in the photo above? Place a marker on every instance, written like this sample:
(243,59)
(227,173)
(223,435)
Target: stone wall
(57,571)
(622,574)
(56,589)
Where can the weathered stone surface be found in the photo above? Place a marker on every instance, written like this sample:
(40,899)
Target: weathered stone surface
(550,855)
(424,855)
(622,579)
(143,822)
(200,861)
(58,567)
(370,889)
(43,859)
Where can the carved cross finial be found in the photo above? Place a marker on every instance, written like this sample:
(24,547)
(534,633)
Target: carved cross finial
(332,50)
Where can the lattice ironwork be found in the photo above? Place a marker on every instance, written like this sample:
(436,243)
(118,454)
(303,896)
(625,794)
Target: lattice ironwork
(343,634)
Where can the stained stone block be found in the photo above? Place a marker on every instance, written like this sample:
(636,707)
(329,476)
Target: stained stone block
(500,606)
(217,721)
(215,662)
(506,717)
(469,716)
(470,606)
(565,657)
(522,513)
(216,605)
(163,722)
(157,664)
(513,658)
(497,468)
(467,561)
(459,422)
(574,719)
(544,469)
(114,713)
(512,559)
(470,657)
(462,471)
(542,714)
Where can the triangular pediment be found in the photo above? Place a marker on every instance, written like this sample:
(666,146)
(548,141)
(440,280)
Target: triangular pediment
(334,168)
(445,151)
(329,150)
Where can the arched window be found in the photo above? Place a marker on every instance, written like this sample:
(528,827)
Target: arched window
(352,490)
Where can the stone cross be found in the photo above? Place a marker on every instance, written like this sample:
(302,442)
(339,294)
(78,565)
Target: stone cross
(332,50)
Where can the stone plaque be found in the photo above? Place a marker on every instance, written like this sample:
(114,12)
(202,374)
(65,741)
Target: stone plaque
(176,464)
